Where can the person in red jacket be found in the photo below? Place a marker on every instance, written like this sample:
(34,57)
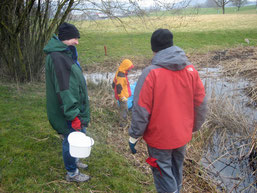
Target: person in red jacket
(169,105)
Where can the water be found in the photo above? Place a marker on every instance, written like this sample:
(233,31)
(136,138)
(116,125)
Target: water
(230,87)
(109,76)
(229,165)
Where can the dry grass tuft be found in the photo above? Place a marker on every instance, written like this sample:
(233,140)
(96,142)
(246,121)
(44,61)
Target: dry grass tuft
(237,62)
(243,63)
(232,140)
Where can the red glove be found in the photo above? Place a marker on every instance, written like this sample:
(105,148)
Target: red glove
(76,124)
(152,162)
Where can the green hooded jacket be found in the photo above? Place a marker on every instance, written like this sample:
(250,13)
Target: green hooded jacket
(66,90)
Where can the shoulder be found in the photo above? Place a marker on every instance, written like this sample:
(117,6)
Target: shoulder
(60,60)
(190,68)
(56,55)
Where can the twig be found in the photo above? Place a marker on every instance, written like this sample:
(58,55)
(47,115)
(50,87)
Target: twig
(44,139)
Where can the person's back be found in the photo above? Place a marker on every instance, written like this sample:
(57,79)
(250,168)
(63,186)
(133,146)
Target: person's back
(169,105)
(172,88)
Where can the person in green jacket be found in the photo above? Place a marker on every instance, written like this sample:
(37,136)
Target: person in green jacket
(66,94)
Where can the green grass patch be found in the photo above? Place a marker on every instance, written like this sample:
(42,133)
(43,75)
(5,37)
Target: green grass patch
(118,46)
(130,37)
(228,10)
(31,151)
(205,41)
(138,44)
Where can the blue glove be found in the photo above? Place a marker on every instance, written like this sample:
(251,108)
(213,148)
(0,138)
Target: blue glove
(132,144)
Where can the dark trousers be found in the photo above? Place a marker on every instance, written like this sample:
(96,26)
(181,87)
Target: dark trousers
(69,161)
(123,108)
(171,165)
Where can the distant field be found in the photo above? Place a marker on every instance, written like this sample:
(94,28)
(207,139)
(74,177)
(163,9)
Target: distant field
(203,11)
(228,10)
(130,37)
(174,23)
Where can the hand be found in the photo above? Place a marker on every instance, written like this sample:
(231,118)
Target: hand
(76,124)
(124,99)
(132,144)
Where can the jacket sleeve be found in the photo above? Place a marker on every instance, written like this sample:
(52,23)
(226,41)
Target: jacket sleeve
(70,105)
(142,107)
(67,90)
(200,104)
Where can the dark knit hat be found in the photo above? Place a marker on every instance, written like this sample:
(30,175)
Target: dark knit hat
(161,39)
(67,31)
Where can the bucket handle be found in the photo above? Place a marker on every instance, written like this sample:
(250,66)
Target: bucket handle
(91,141)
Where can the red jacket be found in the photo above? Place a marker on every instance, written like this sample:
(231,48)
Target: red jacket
(168,101)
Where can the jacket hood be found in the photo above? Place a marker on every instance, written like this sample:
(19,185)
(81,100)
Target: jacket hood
(172,58)
(125,66)
(54,45)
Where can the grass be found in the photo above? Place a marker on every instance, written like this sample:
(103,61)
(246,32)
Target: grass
(228,10)
(138,45)
(31,155)
(131,38)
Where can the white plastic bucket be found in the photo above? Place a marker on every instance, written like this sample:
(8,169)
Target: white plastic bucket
(80,144)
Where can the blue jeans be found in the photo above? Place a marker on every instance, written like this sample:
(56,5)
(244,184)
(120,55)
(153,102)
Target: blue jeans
(69,161)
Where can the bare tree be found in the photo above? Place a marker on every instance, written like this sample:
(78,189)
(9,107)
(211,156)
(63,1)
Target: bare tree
(239,3)
(222,4)
(26,25)
(137,10)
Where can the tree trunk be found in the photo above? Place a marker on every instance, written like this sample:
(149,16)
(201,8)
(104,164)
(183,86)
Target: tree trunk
(25,27)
